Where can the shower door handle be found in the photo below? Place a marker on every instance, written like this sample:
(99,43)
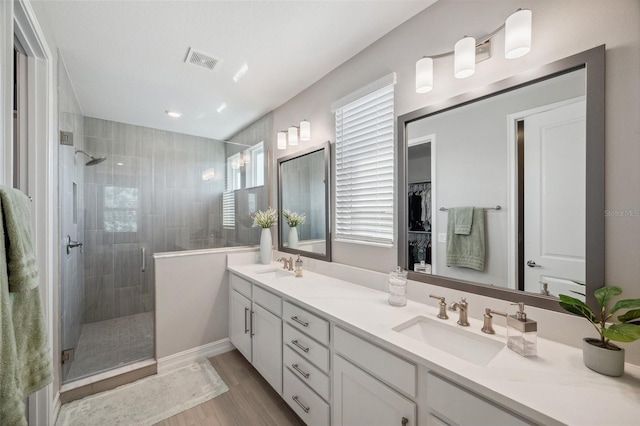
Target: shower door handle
(73,244)
(144,260)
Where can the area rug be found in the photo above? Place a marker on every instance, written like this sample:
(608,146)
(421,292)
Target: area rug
(148,400)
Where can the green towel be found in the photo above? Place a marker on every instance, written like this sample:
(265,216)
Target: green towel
(467,251)
(463,220)
(26,361)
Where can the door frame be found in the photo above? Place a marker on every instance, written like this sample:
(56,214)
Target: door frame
(512,167)
(18,20)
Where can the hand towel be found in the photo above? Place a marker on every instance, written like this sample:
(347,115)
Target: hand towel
(27,366)
(463,220)
(467,251)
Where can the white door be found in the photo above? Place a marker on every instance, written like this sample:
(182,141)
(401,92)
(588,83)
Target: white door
(554,198)
(240,327)
(267,346)
(361,400)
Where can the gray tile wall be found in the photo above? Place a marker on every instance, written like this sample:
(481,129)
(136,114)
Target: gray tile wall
(161,204)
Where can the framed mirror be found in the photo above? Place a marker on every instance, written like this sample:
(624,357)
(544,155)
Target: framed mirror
(303,203)
(501,191)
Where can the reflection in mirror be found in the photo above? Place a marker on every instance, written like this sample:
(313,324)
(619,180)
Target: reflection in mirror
(303,203)
(497,189)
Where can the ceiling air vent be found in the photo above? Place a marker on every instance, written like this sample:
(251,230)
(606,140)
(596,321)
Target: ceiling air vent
(197,57)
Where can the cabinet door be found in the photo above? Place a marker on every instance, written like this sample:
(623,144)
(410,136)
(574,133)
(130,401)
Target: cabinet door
(239,323)
(359,399)
(267,346)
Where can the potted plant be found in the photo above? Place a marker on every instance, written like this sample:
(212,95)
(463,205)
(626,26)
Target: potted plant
(293,220)
(265,219)
(600,354)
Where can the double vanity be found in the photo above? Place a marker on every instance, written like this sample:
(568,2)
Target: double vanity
(339,354)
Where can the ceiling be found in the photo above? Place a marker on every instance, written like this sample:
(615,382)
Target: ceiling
(126,59)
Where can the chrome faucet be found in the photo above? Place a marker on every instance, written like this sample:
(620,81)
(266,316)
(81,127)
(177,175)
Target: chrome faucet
(442,314)
(462,308)
(286,263)
(487,327)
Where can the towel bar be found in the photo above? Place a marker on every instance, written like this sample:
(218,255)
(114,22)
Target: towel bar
(444,209)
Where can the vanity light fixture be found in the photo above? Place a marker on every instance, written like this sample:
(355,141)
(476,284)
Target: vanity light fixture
(424,75)
(282,139)
(174,114)
(222,107)
(293,135)
(305,130)
(464,59)
(467,51)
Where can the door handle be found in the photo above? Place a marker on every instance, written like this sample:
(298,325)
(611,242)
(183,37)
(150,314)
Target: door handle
(144,260)
(73,244)
(532,264)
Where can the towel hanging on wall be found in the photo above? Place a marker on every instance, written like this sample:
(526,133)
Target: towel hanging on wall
(467,251)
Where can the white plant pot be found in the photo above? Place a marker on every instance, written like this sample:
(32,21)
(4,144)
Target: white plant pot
(265,246)
(293,238)
(609,362)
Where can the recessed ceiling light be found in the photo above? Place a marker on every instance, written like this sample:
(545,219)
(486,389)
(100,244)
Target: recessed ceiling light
(242,71)
(222,107)
(174,114)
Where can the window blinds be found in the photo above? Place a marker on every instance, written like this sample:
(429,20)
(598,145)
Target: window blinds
(364,168)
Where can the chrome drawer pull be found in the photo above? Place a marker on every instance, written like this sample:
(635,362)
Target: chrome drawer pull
(295,398)
(295,342)
(299,321)
(251,323)
(295,367)
(246,326)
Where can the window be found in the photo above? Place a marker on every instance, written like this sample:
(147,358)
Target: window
(364,164)
(254,164)
(228,196)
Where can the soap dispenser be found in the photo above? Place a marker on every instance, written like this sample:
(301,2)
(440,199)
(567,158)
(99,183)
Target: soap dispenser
(298,267)
(522,333)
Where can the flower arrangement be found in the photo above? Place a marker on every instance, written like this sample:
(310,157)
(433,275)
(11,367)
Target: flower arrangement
(265,219)
(294,219)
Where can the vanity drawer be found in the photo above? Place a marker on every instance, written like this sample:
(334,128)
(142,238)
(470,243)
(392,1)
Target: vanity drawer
(267,300)
(388,367)
(315,352)
(307,372)
(240,285)
(309,406)
(311,324)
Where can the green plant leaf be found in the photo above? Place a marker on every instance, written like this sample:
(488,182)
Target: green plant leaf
(626,304)
(622,332)
(604,294)
(577,307)
(630,316)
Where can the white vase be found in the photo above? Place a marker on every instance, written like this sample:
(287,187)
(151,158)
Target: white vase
(265,246)
(293,237)
(609,362)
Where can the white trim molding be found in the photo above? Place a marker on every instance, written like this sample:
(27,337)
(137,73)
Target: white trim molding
(189,356)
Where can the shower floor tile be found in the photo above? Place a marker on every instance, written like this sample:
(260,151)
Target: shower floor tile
(104,345)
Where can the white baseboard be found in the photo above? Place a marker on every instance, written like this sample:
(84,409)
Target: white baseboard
(183,358)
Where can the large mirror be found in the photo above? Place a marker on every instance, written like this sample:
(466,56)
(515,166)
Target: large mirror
(303,203)
(501,192)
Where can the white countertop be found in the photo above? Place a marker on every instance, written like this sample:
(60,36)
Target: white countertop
(553,388)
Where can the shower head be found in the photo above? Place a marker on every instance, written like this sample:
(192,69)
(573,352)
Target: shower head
(93,160)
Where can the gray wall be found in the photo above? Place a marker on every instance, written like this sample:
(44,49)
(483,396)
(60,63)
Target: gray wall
(163,205)
(71,171)
(560,29)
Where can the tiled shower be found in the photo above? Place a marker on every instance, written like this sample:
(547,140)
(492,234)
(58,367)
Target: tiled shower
(157,191)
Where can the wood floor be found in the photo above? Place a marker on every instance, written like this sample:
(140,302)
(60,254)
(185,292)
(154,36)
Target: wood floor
(250,400)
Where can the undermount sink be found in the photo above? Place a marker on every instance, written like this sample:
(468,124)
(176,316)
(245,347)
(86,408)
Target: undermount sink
(452,339)
(274,273)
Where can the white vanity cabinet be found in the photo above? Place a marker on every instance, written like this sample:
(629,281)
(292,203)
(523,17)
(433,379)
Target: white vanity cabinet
(255,328)
(371,386)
